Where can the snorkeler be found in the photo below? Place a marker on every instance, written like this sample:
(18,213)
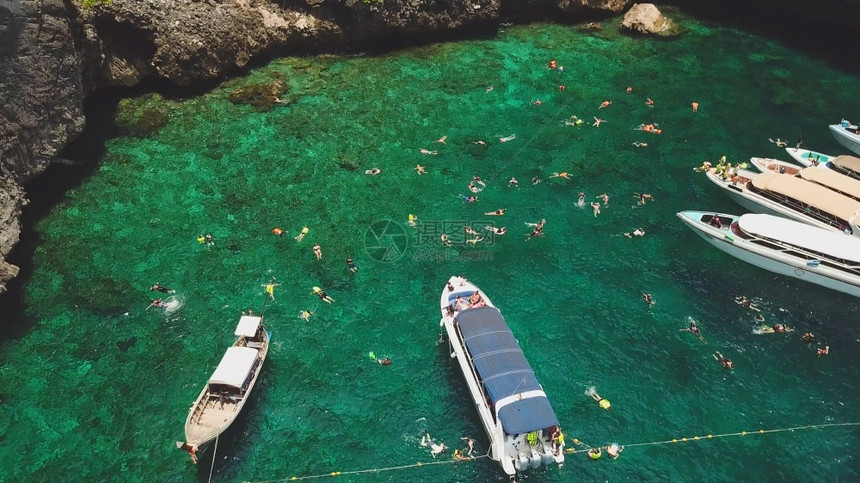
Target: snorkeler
(496,231)
(351,265)
(602,402)
(160,288)
(508,138)
(322,295)
(727,363)
(646,297)
(499,212)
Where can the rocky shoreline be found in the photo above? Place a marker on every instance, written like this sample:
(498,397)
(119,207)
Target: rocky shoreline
(55,53)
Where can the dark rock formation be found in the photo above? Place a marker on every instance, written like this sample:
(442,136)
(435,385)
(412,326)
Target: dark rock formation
(41,108)
(54,52)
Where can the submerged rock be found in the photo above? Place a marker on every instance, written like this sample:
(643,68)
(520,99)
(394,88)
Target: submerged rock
(645,18)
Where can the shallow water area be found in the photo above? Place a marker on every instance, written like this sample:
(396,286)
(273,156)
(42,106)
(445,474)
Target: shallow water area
(100,386)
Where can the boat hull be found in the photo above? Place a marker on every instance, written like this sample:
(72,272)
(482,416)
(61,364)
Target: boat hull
(200,435)
(848,140)
(771,260)
(759,204)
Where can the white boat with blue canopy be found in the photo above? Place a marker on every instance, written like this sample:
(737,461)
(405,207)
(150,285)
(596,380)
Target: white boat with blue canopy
(808,157)
(229,387)
(512,405)
(847,134)
(783,246)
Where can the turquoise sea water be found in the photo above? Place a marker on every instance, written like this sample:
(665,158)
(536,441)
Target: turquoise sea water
(100,386)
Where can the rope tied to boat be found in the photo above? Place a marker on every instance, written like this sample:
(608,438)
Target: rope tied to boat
(713,436)
(372,470)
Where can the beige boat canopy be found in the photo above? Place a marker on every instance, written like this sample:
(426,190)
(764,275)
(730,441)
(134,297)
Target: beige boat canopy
(235,367)
(249,324)
(833,180)
(808,193)
(848,163)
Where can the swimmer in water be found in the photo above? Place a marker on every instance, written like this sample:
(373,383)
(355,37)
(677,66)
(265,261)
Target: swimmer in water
(373,171)
(445,241)
(649,102)
(318,252)
(468,199)
(473,188)
(694,329)
(636,232)
(513,183)
(412,220)
(596,207)
(270,288)
(351,265)
(427,151)
(581,201)
(480,143)
(508,138)
(306,315)
(470,231)
(474,241)
(419,169)
(646,297)
(604,104)
(727,363)
(441,140)
(499,212)
(496,231)
(604,403)
(322,295)
(435,449)
(535,181)
(605,198)
(564,175)
(597,122)
(644,197)
(160,288)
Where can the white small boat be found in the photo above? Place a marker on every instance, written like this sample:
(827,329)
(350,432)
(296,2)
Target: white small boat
(775,166)
(228,388)
(808,157)
(791,196)
(783,246)
(847,134)
(512,405)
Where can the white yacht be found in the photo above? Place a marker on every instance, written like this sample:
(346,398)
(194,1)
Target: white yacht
(796,198)
(808,157)
(783,246)
(228,388)
(847,165)
(847,134)
(512,405)
(820,175)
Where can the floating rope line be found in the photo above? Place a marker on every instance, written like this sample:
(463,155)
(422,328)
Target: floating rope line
(712,436)
(374,470)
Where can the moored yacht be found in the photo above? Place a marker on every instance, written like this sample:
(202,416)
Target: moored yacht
(514,410)
(783,246)
(796,198)
(230,385)
(808,157)
(847,165)
(847,134)
(821,175)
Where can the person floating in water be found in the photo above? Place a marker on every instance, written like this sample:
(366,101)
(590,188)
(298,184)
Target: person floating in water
(727,363)
(427,151)
(158,303)
(602,402)
(499,212)
(270,288)
(694,329)
(597,121)
(636,232)
(779,142)
(160,288)
(613,450)
(468,199)
(646,297)
(808,337)
(823,352)
(508,138)
(445,240)
(513,183)
(594,453)
(306,315)
(644,197)
(435,449)
(420,169)
(496,231)
(351,265)
(596,207)
(470,443)
(322,295)
(304,233)
(564,175)
(210,242)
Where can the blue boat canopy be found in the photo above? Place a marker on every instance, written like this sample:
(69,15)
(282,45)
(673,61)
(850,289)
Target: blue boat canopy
(504,371)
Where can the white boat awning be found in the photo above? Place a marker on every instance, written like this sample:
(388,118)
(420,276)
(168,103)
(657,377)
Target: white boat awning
(234,367)
(836,245)
(248,326)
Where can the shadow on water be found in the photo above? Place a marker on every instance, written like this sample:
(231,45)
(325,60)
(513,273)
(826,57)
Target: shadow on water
(76,163)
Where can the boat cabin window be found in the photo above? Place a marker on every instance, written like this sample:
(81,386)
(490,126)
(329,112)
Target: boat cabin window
(767,244)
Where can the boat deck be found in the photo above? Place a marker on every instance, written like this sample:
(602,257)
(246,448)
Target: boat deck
(215,413)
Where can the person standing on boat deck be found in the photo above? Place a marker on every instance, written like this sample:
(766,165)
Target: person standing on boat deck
(799,141)
(318,252)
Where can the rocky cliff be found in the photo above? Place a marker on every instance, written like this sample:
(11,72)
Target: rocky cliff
(55,52)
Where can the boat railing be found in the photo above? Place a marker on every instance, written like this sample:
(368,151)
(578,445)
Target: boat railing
(800,207)
(810,254)
(475,374)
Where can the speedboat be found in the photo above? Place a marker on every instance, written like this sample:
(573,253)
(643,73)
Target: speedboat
(847,134)
(512,405)
(230,385)
(820,175)
(789,196)
(847,165)
(808,157)
(783,246)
